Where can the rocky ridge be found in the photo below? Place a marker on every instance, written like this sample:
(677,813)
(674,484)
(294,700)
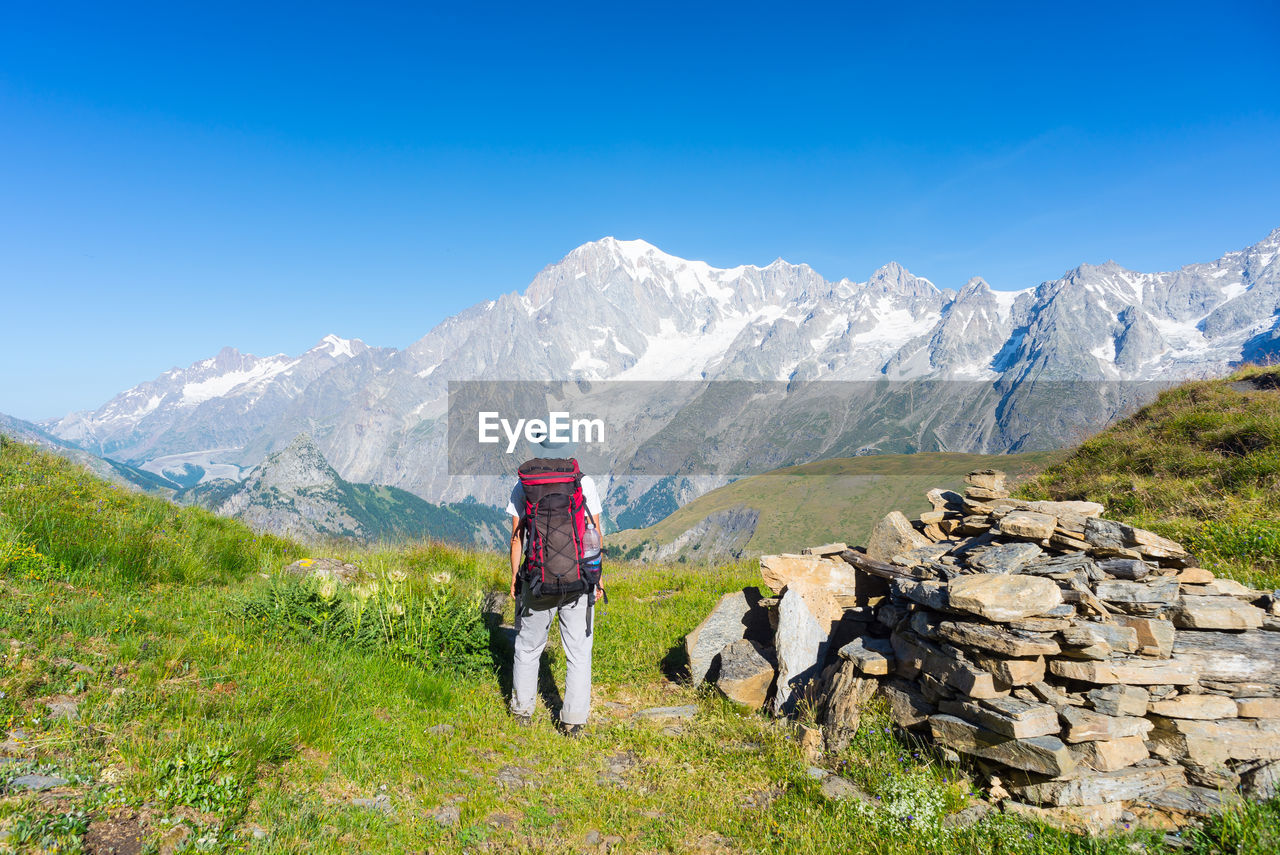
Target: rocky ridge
(1088,669)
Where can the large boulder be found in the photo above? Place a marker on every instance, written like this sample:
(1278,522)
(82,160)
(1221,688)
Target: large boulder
(806,617)
(892,536)
(737,616)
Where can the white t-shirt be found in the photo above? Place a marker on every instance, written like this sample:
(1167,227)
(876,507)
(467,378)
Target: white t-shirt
(590,495)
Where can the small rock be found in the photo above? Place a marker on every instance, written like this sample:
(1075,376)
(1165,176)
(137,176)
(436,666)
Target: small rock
(970,816)
(837,789)
(512,777)
(327,568)
(447,815)
(816,772)
(441,730)
(380,802)
(173,839)
(592,838)
(62,708)
(258,832)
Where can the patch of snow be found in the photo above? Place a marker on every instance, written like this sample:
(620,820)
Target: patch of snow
(1218,274)
(1105,351)
(835,328)
(673,355)
(223,384)
(1264,260)
(585,361)
(338,347)
(1232,290)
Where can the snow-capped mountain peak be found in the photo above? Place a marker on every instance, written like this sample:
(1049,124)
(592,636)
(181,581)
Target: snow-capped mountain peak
(625,310)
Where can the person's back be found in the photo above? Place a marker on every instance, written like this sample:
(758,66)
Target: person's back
(556,541)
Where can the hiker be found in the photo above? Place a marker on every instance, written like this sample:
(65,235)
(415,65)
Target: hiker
(555,569)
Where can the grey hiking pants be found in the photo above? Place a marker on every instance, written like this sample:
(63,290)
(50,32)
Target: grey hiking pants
(532,625)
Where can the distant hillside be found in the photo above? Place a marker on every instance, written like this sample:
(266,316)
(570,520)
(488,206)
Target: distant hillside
(1200,464)
(296,493)
(783,510)
(120,474)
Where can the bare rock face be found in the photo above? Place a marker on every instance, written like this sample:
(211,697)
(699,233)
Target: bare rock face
(746,672)
(1003,598)
(892,536)
(737,616)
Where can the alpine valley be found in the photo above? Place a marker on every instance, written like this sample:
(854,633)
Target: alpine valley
(889,365)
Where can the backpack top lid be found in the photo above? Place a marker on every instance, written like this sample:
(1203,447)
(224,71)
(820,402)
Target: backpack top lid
(549,470)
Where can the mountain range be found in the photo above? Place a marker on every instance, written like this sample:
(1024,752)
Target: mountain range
(923,368)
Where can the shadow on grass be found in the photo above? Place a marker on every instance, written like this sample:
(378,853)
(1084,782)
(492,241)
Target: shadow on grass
(502,640)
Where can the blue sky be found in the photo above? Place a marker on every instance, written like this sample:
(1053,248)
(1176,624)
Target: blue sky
(176,178)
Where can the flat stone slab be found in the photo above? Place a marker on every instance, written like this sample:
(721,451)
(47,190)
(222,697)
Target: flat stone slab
(780,571)
(686,711)
(1046,755)
(1160,592)
(1110,755)
(1131,671)
(1212,743)
(1005,557)
(1006,716)
(1124,785)
(1221,612)
(872,656)
(37,783)
(1120,700)
(1196,706)
(997,639)
(1028,524)
(1231,657)
(1087,725)
(1002,598)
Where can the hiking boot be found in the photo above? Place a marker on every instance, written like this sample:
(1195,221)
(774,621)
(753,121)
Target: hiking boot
(573,730)
(522,720)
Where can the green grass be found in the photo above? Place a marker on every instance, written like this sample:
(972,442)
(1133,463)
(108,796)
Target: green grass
(1200,464)
(202,703)
(838,499)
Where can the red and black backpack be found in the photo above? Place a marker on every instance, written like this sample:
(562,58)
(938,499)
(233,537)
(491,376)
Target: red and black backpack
(555,520)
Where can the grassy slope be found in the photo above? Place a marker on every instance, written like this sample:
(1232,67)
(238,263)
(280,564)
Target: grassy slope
(188,711)
(827,500)
(1200,464)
